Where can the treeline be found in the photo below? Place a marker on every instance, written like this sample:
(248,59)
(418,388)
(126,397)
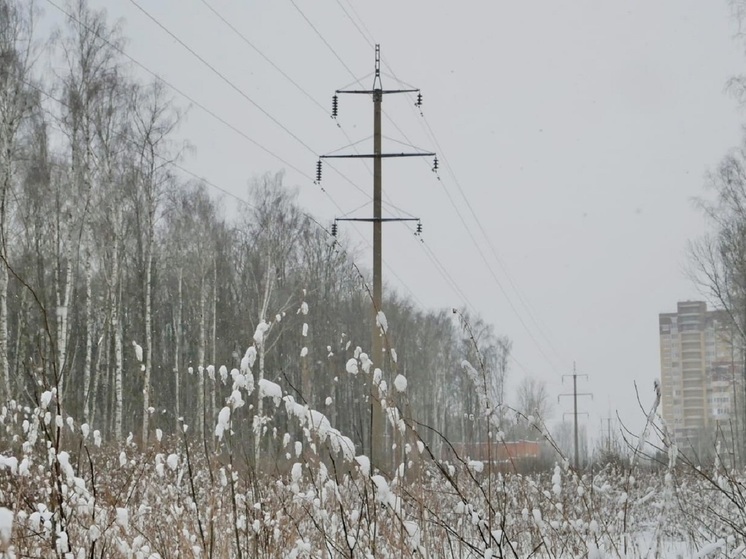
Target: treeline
(125,287)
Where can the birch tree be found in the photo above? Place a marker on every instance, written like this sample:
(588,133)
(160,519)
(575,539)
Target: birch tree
(90,88)
(16,61)
(154,121)
(718,260)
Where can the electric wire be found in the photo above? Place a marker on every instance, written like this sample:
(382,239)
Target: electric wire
(334,52)
(339,3)
(370,41)
(277,122)
(430,253)
(254,142)
(263,55)
(201,105)
(476,244)
(222,76)
(521,298)
(491,246)
(180,92)
(225,191)
(284,74)
(336,55)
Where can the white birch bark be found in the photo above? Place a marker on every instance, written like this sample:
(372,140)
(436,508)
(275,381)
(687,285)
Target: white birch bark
(16,44)
(93,395)
(148,335)
(201,356)
(177,346)
(87,359)
(260,354)
(117,334)
(5,156)
(64,293)
(214,335)
(4,369)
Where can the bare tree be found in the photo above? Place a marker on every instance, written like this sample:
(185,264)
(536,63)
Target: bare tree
(718,260)
(91,123)
(154,120)
(16,61)
(533,398)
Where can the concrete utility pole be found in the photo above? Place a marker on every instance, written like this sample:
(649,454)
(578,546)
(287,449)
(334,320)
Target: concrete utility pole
(377,450)
(575,413)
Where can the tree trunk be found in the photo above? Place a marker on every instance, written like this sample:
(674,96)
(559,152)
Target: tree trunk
(177,347)
(88,339)
(117,333)
(101,356)
(4,369)
(20,328)
(260,354)
(148,338)
(5,153)
(214,335)
(201,357)
(64,294)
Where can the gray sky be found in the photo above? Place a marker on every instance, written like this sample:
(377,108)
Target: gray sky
(579,132)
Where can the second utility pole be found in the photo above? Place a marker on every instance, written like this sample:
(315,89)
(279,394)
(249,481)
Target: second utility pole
(575,395)
(377,436)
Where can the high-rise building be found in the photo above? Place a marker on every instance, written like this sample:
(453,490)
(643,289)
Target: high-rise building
(701,377)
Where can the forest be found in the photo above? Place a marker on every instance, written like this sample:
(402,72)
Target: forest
(130,290)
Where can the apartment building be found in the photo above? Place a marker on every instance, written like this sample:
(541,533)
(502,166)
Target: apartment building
(701,377)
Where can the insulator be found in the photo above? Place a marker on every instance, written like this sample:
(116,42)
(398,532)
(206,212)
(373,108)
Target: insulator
(419,228)
(419,100)
(334,229)
(435,165)
(318,171)
(335,106)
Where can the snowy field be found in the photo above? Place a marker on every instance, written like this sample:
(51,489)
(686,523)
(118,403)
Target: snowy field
(65,494)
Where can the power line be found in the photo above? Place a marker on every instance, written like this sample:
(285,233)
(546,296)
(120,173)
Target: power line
(501,287)
(431,134)
(491,246)
(180,92)
(284,74)
(223,121)
(263,55)
(206,181)
(442,270)
(369,38)
(197,103)
(222,76)
(320,36)
(429,253)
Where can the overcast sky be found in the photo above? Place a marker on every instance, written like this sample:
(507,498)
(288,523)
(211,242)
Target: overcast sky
(577,132)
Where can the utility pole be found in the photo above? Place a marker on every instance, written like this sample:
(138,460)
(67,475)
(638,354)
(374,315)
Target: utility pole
(575,414)
(377,450)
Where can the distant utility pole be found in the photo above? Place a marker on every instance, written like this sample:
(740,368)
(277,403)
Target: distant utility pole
(575,395)
(377,451)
